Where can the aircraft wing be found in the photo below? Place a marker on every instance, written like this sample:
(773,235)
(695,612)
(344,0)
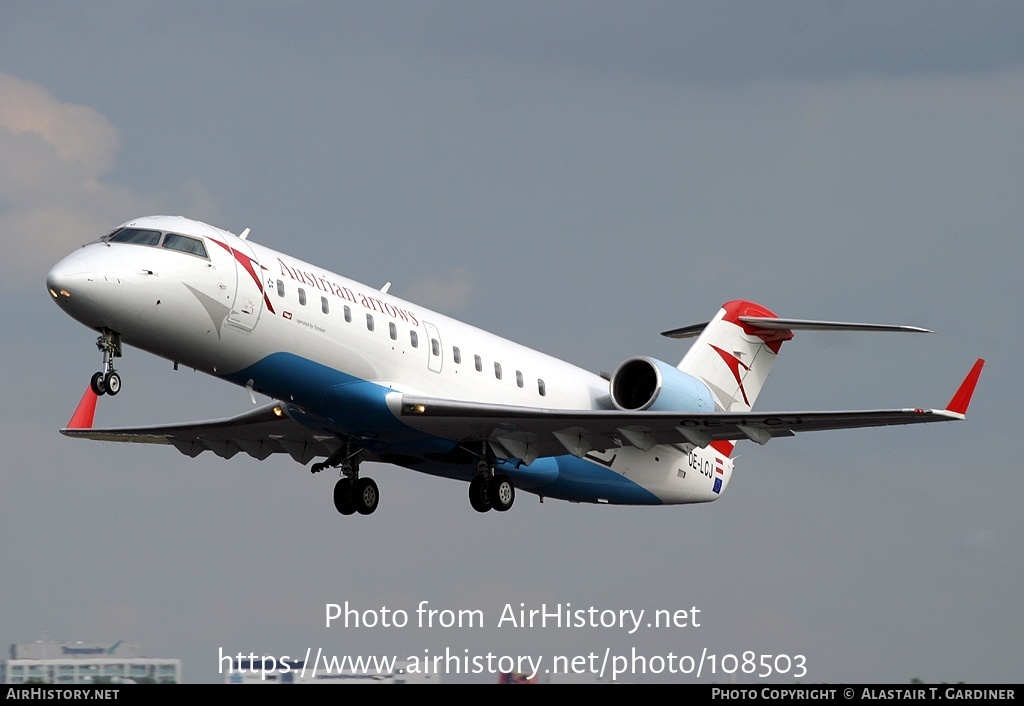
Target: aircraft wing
(530,432)
(526,433)
(260,432)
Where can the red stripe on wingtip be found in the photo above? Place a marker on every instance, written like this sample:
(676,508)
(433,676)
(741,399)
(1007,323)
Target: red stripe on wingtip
(85,411)
(962,399)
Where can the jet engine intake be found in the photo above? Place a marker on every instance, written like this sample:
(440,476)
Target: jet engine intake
(649,384)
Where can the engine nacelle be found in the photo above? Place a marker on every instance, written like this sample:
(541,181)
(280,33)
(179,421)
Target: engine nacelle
(647,383)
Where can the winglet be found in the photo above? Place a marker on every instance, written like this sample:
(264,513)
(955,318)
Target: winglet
(962,398)
(84,412)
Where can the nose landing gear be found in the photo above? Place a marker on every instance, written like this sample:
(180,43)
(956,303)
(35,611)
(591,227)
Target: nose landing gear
(107,381)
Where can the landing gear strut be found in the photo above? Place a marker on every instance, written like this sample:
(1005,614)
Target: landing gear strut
(489,490)
(352,494)
(107,381)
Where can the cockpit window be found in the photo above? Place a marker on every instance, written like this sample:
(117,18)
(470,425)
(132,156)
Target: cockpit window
(135,235)
(183,243)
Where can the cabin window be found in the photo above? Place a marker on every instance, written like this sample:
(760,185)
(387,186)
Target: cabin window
(414,339)
(369,322)
(185,244)
(456,354)
(302,296)
(435,347)
(497,370)
(280,288)
(348,314)
(542,388)
(478,363)
(519,378)
(393,330)
(324,305)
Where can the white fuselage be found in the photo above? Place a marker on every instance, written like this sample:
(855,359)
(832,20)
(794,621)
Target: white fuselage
(322,342)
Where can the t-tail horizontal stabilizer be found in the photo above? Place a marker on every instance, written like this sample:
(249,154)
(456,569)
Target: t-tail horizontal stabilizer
(777,324)
(735,351)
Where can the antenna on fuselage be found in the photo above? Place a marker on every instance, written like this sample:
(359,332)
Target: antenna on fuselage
(245,234)
(386,287)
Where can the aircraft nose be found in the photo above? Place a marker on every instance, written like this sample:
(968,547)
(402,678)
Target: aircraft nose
(70,278)
(87,285)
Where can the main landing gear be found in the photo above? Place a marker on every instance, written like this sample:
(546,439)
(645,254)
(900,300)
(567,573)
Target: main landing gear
(488,490)
(107,381)
(352,494)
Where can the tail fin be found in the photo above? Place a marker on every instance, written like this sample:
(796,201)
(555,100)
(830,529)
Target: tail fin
(735,351)
(733,357)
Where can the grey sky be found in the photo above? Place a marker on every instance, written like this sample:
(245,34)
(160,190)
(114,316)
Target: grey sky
(578,177)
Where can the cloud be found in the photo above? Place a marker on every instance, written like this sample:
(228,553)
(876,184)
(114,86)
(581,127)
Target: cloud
(78,133)
(54,195)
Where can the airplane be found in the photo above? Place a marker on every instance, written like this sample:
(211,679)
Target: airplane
(357,375)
